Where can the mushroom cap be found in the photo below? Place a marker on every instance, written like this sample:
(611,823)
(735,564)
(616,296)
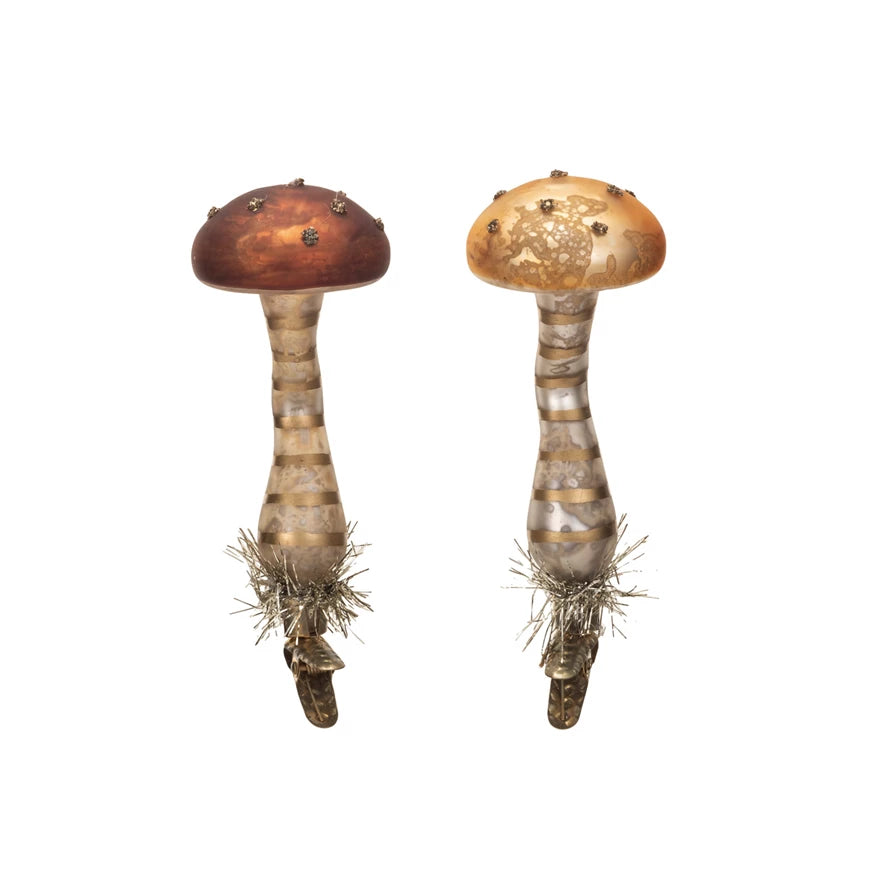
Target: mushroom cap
(565,234)
(259,242)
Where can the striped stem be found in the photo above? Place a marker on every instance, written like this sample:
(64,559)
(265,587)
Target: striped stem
(302,517)
(571,518)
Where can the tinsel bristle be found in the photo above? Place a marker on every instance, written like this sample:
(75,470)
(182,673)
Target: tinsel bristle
(576,607)
(281,601)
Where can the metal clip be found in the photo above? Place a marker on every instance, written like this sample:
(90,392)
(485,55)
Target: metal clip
(313,662)
(568,666)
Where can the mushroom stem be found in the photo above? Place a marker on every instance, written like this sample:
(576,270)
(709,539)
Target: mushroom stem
(571,518)
(302,520)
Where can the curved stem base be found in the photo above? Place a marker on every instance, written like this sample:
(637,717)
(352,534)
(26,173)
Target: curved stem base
(571,518)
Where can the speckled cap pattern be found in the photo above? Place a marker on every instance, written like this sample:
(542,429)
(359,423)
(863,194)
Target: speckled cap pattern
(293,238)
(565,234)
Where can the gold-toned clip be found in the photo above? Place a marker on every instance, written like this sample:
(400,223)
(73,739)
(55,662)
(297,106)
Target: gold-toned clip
(313,662)
(317,655)
(568,667)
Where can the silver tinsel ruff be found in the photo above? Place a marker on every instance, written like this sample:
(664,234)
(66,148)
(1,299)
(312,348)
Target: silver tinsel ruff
(281,601)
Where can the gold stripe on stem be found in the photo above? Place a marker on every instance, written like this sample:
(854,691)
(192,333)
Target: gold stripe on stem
(302,386)
(303,539)
(304,498)
(570,414)
(289,323)
(572,495)
(279,356)
(559,318)
(543,536)
(298,421)
(560,382)
(571,454)
(302,460)
(560,352)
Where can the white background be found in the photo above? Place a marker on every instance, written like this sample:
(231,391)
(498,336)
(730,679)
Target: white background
(736,738)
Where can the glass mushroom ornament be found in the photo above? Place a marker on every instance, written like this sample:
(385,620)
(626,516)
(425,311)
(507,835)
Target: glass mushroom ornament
(290,244)
(565,239)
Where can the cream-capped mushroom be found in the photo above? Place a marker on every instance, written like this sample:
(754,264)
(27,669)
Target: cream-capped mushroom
(566,238)
(290,244)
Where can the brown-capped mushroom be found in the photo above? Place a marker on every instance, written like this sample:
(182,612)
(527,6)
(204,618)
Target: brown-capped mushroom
(565,239)
(290,244)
